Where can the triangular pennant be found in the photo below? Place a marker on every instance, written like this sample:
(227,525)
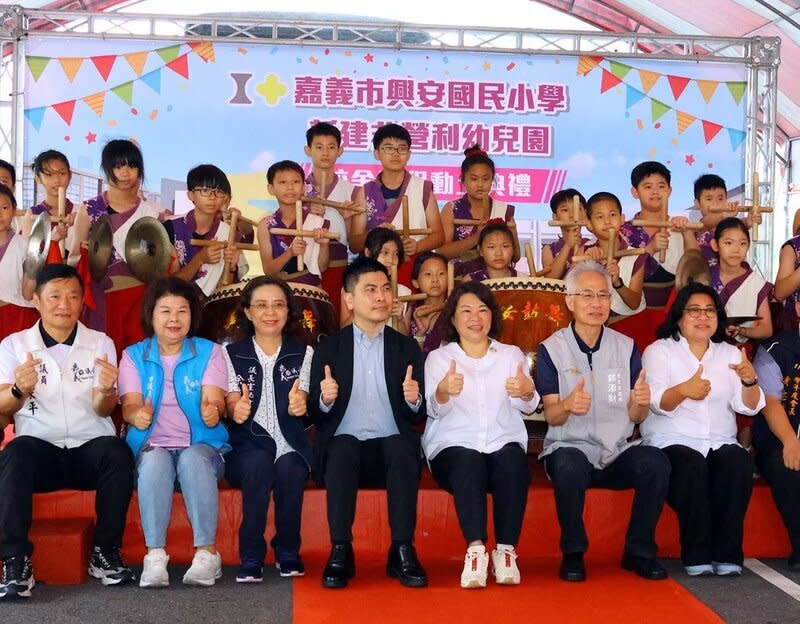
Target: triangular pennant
(180,65)
(608,81)
(71,66)
(137,60)
(153,80)
(35,116)
(707,88)
(37,64)
(657,109)
(588,63)
(96,102)
(203,49)
(169,53)
(104,64)
(684,120)
(124,92)
(710,130)
(677,84)
(619,70)
(648,78)
(632,96)
(737,91)
(65,110)
(736,136)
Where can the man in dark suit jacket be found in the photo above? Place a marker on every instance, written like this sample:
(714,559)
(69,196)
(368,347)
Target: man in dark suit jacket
(366,393)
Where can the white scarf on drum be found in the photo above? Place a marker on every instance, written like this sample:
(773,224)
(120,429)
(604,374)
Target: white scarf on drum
(311,254)
(213,272)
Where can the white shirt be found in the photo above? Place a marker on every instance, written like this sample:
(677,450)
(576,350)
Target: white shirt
(266,414)
(701,425)
(482,417)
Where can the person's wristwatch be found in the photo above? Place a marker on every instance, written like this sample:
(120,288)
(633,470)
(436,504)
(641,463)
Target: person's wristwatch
(17,393)
(751,383)
(618,286)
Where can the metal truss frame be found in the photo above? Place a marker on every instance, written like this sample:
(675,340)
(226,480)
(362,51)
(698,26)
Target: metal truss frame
(761,55)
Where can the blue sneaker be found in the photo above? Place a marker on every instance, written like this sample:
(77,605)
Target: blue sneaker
(727,569)
(291,565)
(700,569)
(250,571)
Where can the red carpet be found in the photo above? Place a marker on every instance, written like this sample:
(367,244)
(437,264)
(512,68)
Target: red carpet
(609,594)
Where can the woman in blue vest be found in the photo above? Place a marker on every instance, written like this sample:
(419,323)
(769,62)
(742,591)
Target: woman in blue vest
(173,386)
(268,379)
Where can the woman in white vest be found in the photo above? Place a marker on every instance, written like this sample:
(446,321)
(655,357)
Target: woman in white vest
(698,383)
(173,387)
(475,439)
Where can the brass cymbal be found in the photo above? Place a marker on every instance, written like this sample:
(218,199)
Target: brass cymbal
(38,246)
(147,249)
(101,244)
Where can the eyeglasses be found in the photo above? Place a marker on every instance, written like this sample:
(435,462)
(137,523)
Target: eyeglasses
(588,296)
(395,149)
(694,312)
(209,192)
(261,306)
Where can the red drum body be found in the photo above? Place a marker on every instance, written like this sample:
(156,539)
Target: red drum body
(220,315)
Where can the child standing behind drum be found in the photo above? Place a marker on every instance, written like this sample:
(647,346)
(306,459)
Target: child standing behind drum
(279,252)
(429,277)
(496,249)
(557,256)
(210,192)
(16,310)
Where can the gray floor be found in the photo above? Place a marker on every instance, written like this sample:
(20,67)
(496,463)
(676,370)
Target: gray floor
(270,602)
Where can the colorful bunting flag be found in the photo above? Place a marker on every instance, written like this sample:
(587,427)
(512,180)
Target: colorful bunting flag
(707,88)
(619,70)
(632,96)
(170,53)
(180,65)
(203,49)
(71,66)
(657,109)
(65,110)
(684,120)
(137,61)
(648,78)
(608,81)
(587,64)
(124,92)
(737,90)
(96,102)
(677,84)
(35,116)
(37,64)
(153,80)
(710,130)
(104,64)
(736,137)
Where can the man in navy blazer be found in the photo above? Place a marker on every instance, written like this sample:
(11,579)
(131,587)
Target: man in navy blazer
(367,390)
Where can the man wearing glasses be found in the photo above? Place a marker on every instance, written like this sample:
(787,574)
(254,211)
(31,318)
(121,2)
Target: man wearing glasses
(594,391)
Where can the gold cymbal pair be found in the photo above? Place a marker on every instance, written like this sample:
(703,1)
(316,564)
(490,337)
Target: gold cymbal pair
(147,249)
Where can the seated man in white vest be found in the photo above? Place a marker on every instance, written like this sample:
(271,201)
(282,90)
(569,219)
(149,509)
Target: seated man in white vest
(58,386)
(594,391)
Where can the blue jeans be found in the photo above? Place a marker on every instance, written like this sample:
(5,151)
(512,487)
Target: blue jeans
(196,469)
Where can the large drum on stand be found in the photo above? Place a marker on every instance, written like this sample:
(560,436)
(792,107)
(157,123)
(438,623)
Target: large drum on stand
(220,314)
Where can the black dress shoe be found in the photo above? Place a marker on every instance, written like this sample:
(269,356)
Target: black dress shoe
(572,568)
(341,566)
(646,567)
(403,565)
(794,561)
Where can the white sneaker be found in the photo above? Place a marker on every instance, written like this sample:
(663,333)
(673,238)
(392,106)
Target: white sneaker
(154,572)
(206,568)
(504,566)
(476,568)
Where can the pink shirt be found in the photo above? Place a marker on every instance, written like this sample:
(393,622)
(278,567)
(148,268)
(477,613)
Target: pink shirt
(171,428)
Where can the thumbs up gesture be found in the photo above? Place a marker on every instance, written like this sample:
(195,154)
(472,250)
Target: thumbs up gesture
(641,391)
(450,385)
(26,374)
(744,369)
(328,387)
(209,412)
(519,386)
(144,416)
(578,401)
(297,400)
(410,387)
(107,374)
(241,410)
(696,387)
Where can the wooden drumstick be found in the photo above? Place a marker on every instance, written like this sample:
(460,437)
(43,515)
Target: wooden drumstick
(451,277)
(529,258)
(340,206)
(662,254)
(203,242)
(227,278)
(298,223)
(323,184)
(303,233)
(576,212)
(611,246)
(467,222)
(407,230)
(666,224)
(62,205)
